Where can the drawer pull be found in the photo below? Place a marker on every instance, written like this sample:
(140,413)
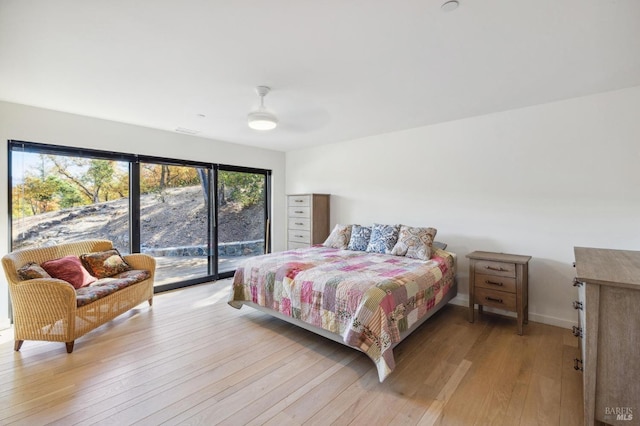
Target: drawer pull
(299,236)
(493,299)
(299,211)
(299,201)
(577,283)
(577,331)
(493,283)
(299,223)
(577,305)
(493,268)
(577,364)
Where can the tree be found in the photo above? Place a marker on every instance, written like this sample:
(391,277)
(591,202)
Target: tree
(44,195)
(244,188)
(92,177)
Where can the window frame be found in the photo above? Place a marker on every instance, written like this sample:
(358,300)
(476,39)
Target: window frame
(134,161)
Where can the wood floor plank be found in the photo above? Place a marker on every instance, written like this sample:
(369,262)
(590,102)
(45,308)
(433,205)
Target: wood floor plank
(192,359)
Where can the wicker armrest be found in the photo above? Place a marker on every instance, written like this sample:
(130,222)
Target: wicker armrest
(31,293)
(141,261)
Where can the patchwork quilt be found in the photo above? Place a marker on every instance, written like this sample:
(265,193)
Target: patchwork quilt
(367,298)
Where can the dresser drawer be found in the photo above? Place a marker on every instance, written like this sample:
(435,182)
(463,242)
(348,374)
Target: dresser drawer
(300,236)
(299,223)
(299,212)
(495,298)
(491,267)
(299,200)
(496,282)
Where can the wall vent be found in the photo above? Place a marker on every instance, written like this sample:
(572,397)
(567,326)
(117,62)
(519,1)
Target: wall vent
(187,131)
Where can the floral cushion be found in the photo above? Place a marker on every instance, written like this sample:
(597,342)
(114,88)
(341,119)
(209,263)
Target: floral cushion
(359,237)
(383,238)
(31,271)
(339,237)
(69,269)
(104,264)
(416,243)
(106,286)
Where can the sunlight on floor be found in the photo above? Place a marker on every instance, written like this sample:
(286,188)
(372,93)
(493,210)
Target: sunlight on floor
(221,292)
(6,335)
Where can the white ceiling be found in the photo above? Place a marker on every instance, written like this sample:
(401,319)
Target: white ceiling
(339,69)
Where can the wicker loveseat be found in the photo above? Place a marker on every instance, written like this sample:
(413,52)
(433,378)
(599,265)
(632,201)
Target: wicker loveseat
(48,309)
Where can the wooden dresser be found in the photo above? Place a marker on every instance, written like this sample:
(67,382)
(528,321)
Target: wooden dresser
(307,219)
(608,303)
(501,281)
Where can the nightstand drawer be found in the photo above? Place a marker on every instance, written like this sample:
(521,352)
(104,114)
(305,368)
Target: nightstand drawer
(499,280)
(300,236)
(496,299)
(299,201)
(299,212)
(299,223)
(496,282)
(491,267)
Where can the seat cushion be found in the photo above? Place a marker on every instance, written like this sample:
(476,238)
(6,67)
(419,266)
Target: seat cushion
(105,286)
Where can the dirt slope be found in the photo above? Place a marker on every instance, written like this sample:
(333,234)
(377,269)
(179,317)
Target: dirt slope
(178,218)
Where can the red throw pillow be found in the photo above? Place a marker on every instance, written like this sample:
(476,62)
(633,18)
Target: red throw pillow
(69,269)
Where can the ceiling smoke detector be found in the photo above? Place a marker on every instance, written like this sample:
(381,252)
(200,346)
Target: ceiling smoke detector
(261,119)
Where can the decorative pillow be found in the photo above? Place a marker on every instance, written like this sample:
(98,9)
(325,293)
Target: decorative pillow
(359,238)
(416,243)
(104,264)
(31,271)
(383,238)
(339,237)
(69,269)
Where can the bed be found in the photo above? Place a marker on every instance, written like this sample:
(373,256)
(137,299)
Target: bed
(367,301)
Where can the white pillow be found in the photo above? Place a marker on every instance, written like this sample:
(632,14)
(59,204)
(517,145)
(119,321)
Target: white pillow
(339,237)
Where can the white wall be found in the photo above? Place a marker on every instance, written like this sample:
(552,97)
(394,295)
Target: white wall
(535,181)
(25,123)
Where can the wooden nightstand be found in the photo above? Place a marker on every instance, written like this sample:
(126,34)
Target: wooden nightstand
(501,281)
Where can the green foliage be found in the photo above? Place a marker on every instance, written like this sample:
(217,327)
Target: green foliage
(69,196)
(57,182)
(40,195)
(154,178)
(244,188)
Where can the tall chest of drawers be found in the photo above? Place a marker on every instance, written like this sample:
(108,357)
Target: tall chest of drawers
(608,303)
(307,219)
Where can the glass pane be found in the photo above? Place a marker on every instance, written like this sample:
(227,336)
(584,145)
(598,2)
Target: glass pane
(241,217)
(174,220)
(60,198)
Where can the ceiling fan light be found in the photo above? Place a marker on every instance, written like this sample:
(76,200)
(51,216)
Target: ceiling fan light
(262,120)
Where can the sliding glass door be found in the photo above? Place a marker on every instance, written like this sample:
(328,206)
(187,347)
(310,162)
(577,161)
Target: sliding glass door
(242,219)
(57,197)
(198,220)
(175,221)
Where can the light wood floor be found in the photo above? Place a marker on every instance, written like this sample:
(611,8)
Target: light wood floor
(192,359)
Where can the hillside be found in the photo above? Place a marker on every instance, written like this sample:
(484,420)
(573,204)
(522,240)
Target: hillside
(178,218)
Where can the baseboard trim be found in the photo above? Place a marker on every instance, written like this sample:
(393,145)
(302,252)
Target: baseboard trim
(463,300)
